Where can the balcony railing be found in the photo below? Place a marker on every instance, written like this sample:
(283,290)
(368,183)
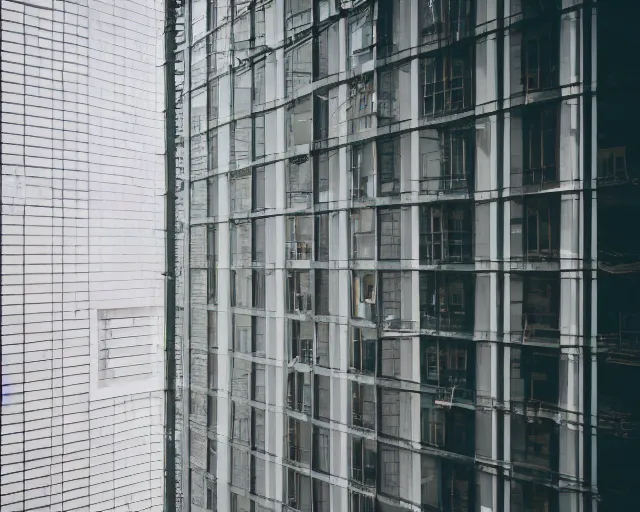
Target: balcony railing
(299,251)
(625,340)
(540,327)
(443,184)
(444,321)
(362,420)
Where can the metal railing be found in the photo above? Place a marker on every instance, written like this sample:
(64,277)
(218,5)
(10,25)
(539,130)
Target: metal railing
(298,251)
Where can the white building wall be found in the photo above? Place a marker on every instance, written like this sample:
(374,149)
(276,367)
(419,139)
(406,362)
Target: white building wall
(82,255)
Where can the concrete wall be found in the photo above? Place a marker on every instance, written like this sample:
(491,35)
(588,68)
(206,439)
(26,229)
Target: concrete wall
(82,255)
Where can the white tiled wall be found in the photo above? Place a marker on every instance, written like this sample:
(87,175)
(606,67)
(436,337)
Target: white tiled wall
(82,255)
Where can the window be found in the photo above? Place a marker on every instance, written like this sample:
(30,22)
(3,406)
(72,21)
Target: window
(258,382)
(240,423)
(213,165)
(446,17)
(298,15)
(241,142)
(321,185)
(321,115)
(393,103)
(530,497)
(299,237)
(535,375)
(447,82)
(446,301)
(321,451)
(297,490)
(363,460)
(240,468)
(534,442)
(431,485)
(258,136)
(301,341)
(259,194)
(258,475)
(363,405)
(446,363)
(542,228)
(212,496)
(212,456)
(299,184)
(322,347)
(362,357)
(360,38)
(390,358)
(432,428)
(299,292)
(242,91)
(542,146)
(363,234)
(299,122)
(323,397)
(259,27)
(446,234)
(241,33)
(212,329)
(259,84)
(240,377)
(241,243)
(364,296)
(540,59)
(322,237)
(240,191)
(299,392)
(212,370)
(390,400)
(298,67)
(321,496)
(540,318)
(446,160)
(258,429)
(199,63)
(212,413)
(361,107)
(299,441)
(390,221)
(326,47)
(390,165)
(389,470)
(213,102)
(212,265)
(322,292)
(362,171)
(361,503)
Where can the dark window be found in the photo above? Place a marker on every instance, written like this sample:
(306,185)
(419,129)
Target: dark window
(299,392)
(323,397)
(363,405)
(447,82)
(322,347)
(362,357)
(321,451)
(299,441)
(446,234)
(363,460)
(446,301)
(541,141)
(322,292)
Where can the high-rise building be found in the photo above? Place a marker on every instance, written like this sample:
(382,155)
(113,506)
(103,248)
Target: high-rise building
(391,253)
(387,250)
(82,245)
